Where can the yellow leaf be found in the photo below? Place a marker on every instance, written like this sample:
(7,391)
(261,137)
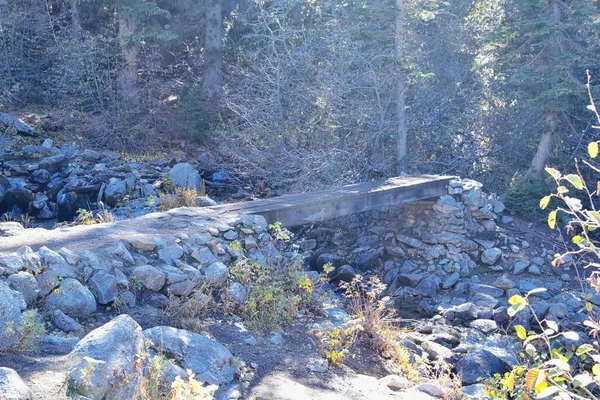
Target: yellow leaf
(540,382)
(593,149)
(552,219)
(544,202)
(553,172)
(531,377)
(575,180)
(596,369)
(516,299)
(509,382)
(521,332)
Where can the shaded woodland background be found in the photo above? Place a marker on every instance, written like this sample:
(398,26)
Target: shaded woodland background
(312,93)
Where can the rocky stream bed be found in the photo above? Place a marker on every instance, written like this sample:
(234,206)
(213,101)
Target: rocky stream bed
(450,265)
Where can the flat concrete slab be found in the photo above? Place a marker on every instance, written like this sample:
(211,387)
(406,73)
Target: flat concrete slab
(304,208)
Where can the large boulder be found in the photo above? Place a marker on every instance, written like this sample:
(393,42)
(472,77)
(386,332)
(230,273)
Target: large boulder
(115,191)
(107,361)
(68,203)
(480,364)
(55,163)
(18,196)
(185,175)
(11,263)
(55,269)
(209,360)
(11,306)
(12,387)
(24,283)
(104,286)
(73,299)
(10,228)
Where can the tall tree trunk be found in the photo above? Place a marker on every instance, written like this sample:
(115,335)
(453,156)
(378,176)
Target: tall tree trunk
(402,139)
(212,82)
(544,148)
(128,86)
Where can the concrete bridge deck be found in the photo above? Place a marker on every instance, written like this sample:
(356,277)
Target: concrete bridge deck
(304,208)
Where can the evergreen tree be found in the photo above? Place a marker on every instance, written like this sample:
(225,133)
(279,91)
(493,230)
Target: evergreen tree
(540,49)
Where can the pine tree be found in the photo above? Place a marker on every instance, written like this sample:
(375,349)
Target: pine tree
(541,49)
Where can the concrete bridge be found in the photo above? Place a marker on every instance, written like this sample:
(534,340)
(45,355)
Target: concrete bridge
(304,208)
(290,210)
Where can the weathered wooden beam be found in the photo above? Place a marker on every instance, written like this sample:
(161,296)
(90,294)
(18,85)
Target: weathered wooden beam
(304,208)
(12,122)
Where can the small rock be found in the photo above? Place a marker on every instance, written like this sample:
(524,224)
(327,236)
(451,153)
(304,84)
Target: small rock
(142,243)
(216,273)
(204,201)
(230,235)
(504,283)
(432,388)
(534,269)
(69,256)
(437,351)
(451,280)
(237,292)
(12,263)
(429,286)
(276,339)
(490,256)
(484,325)
(65,323)
(204,256)
(170,254)
(115,191)
(395,382)
(487,289)
(475,392)
(52,344)
(520,266)
(150,277)
(54,164)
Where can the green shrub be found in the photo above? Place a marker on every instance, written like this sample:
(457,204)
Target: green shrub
(523,196)
(196,119)
(32,329)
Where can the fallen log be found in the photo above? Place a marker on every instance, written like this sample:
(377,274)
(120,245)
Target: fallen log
(14,124)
